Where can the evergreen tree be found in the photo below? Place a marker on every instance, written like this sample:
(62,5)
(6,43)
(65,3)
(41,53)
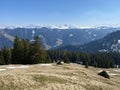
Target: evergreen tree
(104,74)
(95,64)
(18,51)
(66,59)
(7,55)
(86,61)
(2,62)
(26,48)
(37,53)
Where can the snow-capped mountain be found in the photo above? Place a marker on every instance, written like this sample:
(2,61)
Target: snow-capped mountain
(55,35)
(64,26)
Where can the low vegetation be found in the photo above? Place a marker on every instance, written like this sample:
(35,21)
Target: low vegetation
(42,79)
(56,77)
(59,62)
(104,74)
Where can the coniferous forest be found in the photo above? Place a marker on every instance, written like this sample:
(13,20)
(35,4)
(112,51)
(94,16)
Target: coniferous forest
(26,52)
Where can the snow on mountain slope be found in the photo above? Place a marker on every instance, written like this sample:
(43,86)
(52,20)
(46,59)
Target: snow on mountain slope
(55,36)
(110,43)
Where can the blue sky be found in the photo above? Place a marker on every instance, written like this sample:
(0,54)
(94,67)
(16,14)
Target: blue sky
(48,12)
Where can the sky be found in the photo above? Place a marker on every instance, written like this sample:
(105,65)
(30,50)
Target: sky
(59,12)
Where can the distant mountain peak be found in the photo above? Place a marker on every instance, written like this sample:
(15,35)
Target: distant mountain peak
(64,26)
(54,35)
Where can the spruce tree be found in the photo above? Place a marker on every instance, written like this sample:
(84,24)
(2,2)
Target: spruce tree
(37,53)
(18,51)
(86,61)
(26,50)
(7,55)
(2,62)
(66,59)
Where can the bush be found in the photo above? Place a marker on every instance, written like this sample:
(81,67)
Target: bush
(59,62)
(104,74)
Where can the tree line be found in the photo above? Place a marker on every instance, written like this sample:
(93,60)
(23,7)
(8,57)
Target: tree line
(101,60)
(26,52)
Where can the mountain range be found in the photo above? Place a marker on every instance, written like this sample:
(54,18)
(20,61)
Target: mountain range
(109,43)
(55,36)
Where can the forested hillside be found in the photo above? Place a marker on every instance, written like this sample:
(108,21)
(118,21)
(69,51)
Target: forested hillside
(26,52)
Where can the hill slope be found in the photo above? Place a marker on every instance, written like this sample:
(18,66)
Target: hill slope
(56,77)
(110,43)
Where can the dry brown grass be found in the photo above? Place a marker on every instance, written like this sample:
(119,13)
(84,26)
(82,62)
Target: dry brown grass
(56,77)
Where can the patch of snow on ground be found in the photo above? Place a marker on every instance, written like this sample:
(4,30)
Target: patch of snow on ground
(100,71)
(107,71)
(46,64)
(89,33)
(118,41)
(58,42)
(2,69)
(95,35)
(23,67)
(70,35)
(13,67)
(112,74)
(117,70)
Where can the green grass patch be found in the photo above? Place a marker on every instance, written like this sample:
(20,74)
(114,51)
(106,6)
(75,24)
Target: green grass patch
(48,79)
(8,88)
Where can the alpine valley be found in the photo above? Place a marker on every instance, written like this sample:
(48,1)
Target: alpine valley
(82,39)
